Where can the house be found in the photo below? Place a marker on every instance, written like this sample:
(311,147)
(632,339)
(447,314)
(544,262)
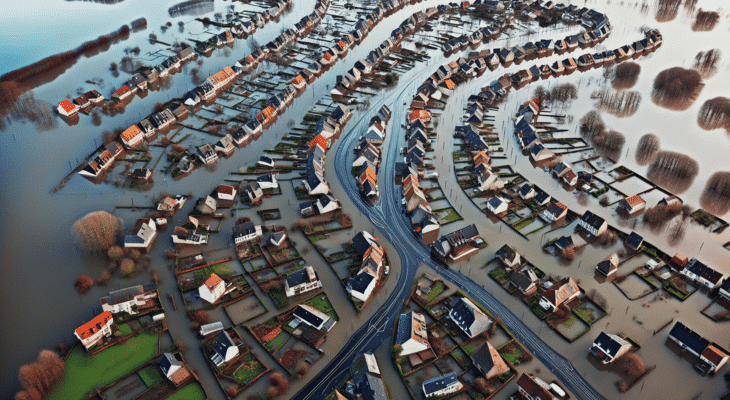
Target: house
(246,232)
(526,191)
(169,205)
(608,266)
(667,201)
(560,293)
(367,383)
(609,347)
(211,328)
(525,280)
(224,350)
(254,193)
(266,162)
(469,318)
(225,145)
(570,178)
(564,242)
(711,360)
(533,388)
(276,239)
(634,241)
(267,181)
(206,154)
(326,204)
(301,281)
(122,93)
(226,195)
(212,289)
(724,290)
(314,318)
(538,152)
(541,198)
(632,204)
(362,242)
(172,369)
(143,235)
(141,174)
(132,136)
(508,256)
(207,205)
(592,223)
(95,330)
(678,262)
(411,334)
(488,361)
(693,269)
(442,385)
(94,97)
(554,212)
(497,205)
(458,245)
(688,339)
(361,286)
(67,108)
(192,232)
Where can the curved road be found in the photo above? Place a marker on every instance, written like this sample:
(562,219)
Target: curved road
(387,215)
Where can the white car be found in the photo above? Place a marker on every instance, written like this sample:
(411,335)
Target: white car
(387,269)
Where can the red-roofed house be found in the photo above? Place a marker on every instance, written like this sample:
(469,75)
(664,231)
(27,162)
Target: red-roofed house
(714,357)
(67,108)
(632,204)
(319,140)
(212,289)
(122,93)
(423,115)
(531,389)
(93,331)
(299,82)
(561,292)
(132,137)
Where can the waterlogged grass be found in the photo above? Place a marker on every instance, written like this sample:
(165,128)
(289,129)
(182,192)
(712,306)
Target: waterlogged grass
(436,291)
(84,373)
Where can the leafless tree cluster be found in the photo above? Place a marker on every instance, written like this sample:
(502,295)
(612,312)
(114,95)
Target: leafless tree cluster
(592,125)
(41,377)
(39,112)
(714,114)
(558,95)
(631,364)
(706,62)
(673,171)
(625,75)
(666,10)
(279,385)
(568,253)
(84,284)
(716,196)
(621,104)
(647,149)
(705,21)
(661,213)
(98,231)
(608,237)
(676,88)
(597,298)
(610,143)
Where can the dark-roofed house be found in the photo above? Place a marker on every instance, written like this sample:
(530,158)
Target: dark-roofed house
(362,242)
(361,286)
(129,300)
(469,318)
(254,193)
(694,269)
(224,350)
(508,256)
(609,347)
(560,293)
(525,281)
(367,383)
(301,281)
(246,232)
(563,242)
(594,224)
(314,318)
(411,334)
(725,289)
(608,266)
(634,240)
(532,389)
(488,361)
(442,385)
(554,212)
(688,339)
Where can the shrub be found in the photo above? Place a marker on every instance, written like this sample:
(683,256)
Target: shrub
(706,62)
(625,75)
(115,253)
(608,237)
(127,266)
(676,88)
(568,253)
(200,316)
(40,378)
(714,114)
(104,278)
(84,283)
(631,364)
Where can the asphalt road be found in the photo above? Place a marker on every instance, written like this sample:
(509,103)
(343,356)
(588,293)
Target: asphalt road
(387,215)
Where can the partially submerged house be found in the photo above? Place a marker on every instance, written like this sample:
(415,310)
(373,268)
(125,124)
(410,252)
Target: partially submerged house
(561,292)
(488,361)
(608,347)
(469,318)
(301,281)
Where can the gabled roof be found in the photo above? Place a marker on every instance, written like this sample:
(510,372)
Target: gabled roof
(213,281)
(689,338)
(438,383)
(532,388)
(90,328)
(488,359)
(610,344)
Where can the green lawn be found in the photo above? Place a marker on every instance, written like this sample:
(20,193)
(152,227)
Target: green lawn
(192,391)
(124,329)
(223,269)
(322,303)
(524,223)
(452,216)
(315,238)
(84,372)
(435,291)
(151,375)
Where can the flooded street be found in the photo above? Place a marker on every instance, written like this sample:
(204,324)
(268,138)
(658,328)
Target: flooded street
(42,259)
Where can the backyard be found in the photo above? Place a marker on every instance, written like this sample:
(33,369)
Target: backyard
(84,372)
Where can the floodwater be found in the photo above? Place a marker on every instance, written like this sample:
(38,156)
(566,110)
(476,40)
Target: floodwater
(41,261)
